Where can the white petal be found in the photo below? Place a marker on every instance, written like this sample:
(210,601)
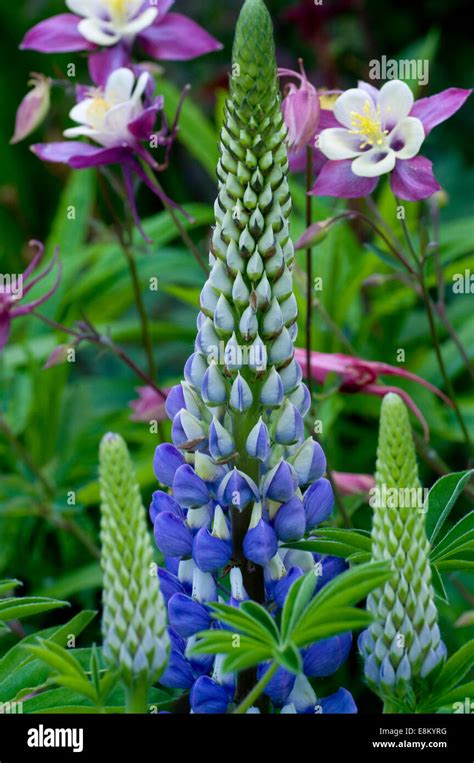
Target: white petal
(140,87)
(120,85)
(117,119)
(338,143)
(406,139)
(80,112)
(373,163)
(76,132)
(90,29)
(85,8)
(396,100)
(142,22)
(353,101)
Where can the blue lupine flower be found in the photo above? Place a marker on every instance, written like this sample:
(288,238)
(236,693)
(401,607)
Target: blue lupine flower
(239,459)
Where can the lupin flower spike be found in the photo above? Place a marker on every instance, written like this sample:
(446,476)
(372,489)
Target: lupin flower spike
(136,642)
(402,647)
(239,466)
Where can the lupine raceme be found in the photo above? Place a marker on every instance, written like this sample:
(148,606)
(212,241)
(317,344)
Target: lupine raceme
(243,478)
(135,639)
(402,648)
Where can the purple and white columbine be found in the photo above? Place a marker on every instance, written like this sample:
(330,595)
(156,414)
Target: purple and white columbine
(10,297)
(115,25)
(119,117)
(377,132)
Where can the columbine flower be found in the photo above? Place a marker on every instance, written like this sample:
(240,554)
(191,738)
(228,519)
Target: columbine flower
(119,118)
(300,109)
(244,479)
(116,24)
(358,375)
(33,108)
(149,406)
(14,289)
(377,132)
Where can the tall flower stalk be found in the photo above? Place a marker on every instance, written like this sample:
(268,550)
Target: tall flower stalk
(244,479)
(135,640)
(403,646)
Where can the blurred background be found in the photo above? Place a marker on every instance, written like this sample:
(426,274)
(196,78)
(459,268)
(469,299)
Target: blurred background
(53,419)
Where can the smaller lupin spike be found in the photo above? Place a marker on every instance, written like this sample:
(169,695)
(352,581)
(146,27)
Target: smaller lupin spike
(135,638)
(402,646)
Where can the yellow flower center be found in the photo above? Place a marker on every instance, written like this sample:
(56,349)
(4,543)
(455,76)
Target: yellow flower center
(368,125)
(118,9)
(98,107)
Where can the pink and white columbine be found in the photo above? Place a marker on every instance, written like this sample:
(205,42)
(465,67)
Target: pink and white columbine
(119,118)
(115,26)
(376,132)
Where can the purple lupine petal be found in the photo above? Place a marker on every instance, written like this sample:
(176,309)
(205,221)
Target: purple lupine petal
(331,566)
(279,686)
(175,401)
(102,64)
(281,588)
(260,543)
(169,584)
(172,535)
(177,38)
(162,501)
(209,552)
(207,696)
(340,702)
(327,656)
(58,34)
(178,673)
(318,502)
(166,461)
(413,179)
(190,490)
(187,616)
(437,108)
(337,179)
(290,520)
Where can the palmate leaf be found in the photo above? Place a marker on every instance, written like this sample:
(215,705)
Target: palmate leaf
(441,499)
(337,542)
(299,596)
(330,623)
(448,699)
(245,621)
(455,669)
(57,658)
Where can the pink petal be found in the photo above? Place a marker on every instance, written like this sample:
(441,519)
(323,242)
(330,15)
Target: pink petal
(149,406)
(413,179)
(385,369)
(348,483)
(337,179)
(102,64)
(437,108)
(58,34)
(177,38)
(80,155)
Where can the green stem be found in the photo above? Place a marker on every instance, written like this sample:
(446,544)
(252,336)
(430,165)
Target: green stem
(137,698)
(257,690)
(186,238)
(146,334)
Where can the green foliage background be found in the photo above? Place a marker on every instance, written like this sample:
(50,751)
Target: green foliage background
(58,416)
